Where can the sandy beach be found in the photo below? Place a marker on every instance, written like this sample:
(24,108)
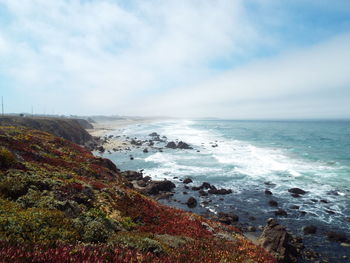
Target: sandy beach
(102,128)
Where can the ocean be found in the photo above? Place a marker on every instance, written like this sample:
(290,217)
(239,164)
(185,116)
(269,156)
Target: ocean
(250,157)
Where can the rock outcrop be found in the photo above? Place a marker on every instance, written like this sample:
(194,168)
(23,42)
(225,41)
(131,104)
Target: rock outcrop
(278,242)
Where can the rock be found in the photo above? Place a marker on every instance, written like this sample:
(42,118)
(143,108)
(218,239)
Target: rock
(337,237)
(154,134)
(294,207)
(132,175)
(171,145)
(268,192)
(220,191)
(141,183)
(252,218)
(203,193)
(206,185)
(183,145)
(191,202)
(273,203)
(280,212)
(195,188)
(324,201)
(155,187)
(309,230)
(101,149)
(187,181)
(185,193)
(347,219)
(297,191)
(296,195)
(145,150)
(276,240)
(227,218)
(131,157)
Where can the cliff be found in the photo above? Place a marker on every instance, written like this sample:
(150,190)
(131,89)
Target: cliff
(59,203)
(70,129)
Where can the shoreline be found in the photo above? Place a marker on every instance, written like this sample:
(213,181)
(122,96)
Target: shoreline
(182,192)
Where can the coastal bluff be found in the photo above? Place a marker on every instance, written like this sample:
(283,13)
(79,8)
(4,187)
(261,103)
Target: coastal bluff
(69,129)
(60,203)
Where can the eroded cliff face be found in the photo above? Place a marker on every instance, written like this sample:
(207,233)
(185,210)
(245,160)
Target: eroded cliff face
(70,129)
(59,203)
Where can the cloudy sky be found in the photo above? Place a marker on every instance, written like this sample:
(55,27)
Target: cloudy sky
(240,59)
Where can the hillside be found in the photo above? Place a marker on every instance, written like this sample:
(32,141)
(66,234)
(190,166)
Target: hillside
(59,203)
(70,129)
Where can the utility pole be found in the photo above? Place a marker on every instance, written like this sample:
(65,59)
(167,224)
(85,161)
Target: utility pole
(2,105)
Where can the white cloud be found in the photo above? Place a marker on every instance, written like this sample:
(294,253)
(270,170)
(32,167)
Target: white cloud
(305,82)
(152,57)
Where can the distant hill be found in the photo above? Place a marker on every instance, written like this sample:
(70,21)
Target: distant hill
(70,129)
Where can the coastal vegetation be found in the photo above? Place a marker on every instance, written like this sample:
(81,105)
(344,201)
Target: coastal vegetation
(59,203)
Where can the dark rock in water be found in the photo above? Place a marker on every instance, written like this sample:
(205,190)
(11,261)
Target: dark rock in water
(296,195)
(206,185)
(347,219)
(303,213)
(337,237)
(135,142)
(297,191)
(195,188)
(153,134)
(131,157)
(276,240)
(101,149)
(151,143)
(185,193)
(203,193)
(324,201)
(187,181)
(171,145)
(311,229)
(186,187)
(268,192)
(273,203)
(183,145)
(220,191)
(191,202)
(227,218)
(330,212)
(157,186)
(280,212)
(145,150)
(294,207)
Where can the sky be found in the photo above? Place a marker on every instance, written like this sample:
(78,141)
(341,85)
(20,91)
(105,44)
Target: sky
(234,59)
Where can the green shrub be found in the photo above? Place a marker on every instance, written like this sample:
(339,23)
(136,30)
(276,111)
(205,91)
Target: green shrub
(34,224)
(7,159)
(144,242)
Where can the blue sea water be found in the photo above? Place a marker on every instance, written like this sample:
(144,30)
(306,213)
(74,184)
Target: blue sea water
(252,156)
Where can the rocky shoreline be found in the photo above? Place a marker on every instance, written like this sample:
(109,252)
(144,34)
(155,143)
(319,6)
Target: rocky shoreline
(273,237)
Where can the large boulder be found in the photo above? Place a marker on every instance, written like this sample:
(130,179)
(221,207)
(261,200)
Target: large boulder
(276,240)
(171,145)
(183,145)
(191,202)
(297,191)
(155,187)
